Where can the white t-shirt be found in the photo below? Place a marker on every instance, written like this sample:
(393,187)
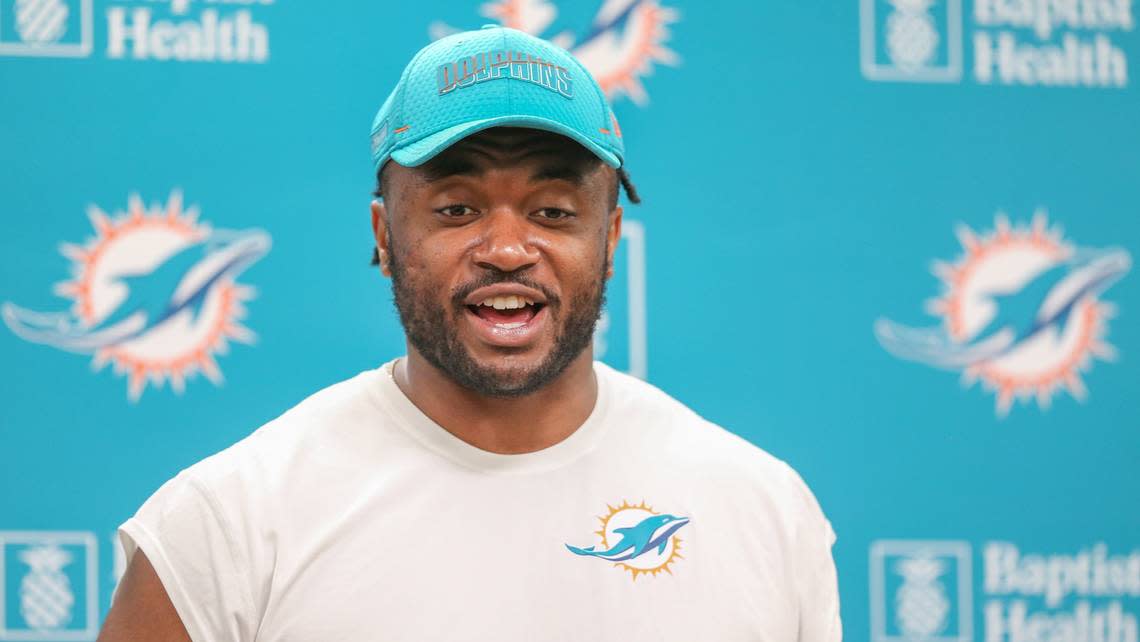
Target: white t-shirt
(353,516)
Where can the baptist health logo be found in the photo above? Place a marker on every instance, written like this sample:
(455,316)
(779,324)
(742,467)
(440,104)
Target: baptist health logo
(176,30)
(920,592)
(153,292)
(1073,43)
(48,588)
(1020,311)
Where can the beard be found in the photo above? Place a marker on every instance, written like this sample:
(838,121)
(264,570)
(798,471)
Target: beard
(433,330)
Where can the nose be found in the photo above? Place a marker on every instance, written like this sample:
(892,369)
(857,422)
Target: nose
(505,244)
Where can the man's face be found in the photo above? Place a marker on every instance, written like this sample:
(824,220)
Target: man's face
(499,250)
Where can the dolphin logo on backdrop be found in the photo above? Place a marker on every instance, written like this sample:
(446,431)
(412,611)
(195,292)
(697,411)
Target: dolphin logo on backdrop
(154,293)
(1021,312)
(637,538)
(620,47)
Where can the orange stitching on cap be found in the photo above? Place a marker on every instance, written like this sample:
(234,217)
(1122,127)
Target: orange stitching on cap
(401,130)
(603,130)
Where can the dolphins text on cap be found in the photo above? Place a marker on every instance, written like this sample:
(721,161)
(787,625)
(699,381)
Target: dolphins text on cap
(493,65)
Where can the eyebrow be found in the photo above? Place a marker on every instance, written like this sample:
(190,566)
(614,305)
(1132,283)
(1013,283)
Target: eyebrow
(441,168)
(569,172)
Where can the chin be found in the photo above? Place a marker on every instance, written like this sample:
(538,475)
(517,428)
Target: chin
(509,375)
(510,370)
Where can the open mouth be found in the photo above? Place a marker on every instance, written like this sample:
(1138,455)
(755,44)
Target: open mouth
(507,312)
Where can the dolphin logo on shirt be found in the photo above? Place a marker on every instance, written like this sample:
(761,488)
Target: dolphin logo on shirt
(650,533)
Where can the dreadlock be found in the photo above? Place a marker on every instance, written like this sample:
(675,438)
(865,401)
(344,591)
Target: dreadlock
(623,182)
(627,185)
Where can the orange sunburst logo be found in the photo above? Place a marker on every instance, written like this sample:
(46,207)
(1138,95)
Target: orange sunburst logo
(1020,310)
(153,293)
(637,538)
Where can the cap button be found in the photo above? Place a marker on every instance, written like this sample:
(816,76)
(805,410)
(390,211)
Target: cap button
(490,26)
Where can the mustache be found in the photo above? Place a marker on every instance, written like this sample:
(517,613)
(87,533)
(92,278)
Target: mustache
(494,277)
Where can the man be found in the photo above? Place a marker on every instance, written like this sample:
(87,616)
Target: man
(496,483)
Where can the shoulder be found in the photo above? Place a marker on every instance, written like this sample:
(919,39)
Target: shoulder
(211,528)
(661,419)
(691,444)
(326,422)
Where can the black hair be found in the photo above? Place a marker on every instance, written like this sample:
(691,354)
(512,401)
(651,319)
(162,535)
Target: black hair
(623,182)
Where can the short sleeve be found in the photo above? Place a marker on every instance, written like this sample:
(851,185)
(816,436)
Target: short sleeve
(817,586)
(184,535)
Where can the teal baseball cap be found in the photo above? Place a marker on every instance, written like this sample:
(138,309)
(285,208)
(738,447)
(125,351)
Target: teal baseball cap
(491,77)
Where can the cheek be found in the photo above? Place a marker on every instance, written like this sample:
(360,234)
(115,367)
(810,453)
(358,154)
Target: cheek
(578,266)
(430,263)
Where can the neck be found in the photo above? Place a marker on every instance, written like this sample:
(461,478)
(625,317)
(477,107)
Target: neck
(508,426)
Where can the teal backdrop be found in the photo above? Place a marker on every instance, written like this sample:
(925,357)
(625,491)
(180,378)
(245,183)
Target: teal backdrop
(889,241)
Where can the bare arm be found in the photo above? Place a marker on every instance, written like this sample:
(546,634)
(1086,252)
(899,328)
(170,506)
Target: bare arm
(142,610)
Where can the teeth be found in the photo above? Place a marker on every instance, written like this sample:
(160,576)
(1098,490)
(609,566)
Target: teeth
(511,302)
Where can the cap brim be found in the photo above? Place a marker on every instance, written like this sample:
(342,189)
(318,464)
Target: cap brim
(423,150)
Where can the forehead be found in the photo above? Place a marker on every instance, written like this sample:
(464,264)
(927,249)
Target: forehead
(505,147)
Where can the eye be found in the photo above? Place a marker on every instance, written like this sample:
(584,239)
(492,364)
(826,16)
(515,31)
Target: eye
(456,211)
(553,214)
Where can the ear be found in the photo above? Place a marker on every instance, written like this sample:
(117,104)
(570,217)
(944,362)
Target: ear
(380,231)
(613,236)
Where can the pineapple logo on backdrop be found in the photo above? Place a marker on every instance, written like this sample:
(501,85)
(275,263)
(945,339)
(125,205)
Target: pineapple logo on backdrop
(622,43)
(917,40)
(46,28)
(920,592)
(1020,311)
(52,578)
(921,604)
(41,22)
(912,39)
(154,293)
